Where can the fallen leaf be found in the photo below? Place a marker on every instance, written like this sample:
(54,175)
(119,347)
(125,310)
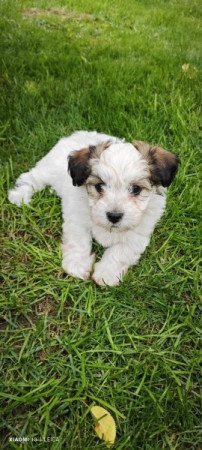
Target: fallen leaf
(185,67)
(190,70)
(105,426)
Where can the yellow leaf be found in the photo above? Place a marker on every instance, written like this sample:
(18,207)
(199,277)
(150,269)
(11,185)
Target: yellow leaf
(105,426)
(185,67)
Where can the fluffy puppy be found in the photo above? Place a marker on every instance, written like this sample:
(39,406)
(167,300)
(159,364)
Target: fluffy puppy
(112,191)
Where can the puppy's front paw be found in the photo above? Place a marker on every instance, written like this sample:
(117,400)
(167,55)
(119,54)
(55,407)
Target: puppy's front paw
(79,268)
(104,275)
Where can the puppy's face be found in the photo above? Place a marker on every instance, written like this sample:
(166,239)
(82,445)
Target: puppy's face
(120,179)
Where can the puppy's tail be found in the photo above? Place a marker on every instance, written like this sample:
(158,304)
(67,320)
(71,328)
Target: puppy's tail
(26,185)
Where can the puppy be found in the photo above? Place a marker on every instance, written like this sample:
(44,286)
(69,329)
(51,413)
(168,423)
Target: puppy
(112,191)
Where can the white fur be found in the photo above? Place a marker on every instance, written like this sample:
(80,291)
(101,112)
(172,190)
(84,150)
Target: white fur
(84,217)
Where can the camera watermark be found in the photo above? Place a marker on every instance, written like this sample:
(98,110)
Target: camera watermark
(25,439)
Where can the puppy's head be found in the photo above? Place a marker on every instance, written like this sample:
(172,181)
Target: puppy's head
(120,179)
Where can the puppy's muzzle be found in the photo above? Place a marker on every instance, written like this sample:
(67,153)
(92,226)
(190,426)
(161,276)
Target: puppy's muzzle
(114,217)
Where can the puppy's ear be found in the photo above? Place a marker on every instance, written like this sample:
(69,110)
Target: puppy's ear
(163,165)
(78,165)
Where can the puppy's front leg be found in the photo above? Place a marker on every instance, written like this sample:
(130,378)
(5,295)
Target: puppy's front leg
(76,248)
(115,263)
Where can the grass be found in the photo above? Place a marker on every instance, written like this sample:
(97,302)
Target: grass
(132,71)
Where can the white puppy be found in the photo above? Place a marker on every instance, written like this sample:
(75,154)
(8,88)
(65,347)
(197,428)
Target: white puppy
(111,191)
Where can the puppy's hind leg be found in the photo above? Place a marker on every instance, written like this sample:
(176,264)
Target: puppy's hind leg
(28,183)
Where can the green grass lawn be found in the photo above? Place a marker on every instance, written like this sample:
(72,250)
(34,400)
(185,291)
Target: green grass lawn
(130,69)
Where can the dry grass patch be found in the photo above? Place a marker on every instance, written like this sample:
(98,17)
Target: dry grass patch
(62,13)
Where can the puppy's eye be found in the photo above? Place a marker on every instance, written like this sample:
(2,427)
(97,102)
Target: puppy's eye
(99,187)
(135,189)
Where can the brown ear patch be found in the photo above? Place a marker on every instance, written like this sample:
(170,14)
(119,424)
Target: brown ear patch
(79,162)
(163,165)
(78,166)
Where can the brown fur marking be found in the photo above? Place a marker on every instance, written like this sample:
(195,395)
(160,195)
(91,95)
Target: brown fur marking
(162,164)
(80,162)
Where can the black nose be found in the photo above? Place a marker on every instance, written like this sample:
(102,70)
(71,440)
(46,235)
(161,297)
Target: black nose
(114,217)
